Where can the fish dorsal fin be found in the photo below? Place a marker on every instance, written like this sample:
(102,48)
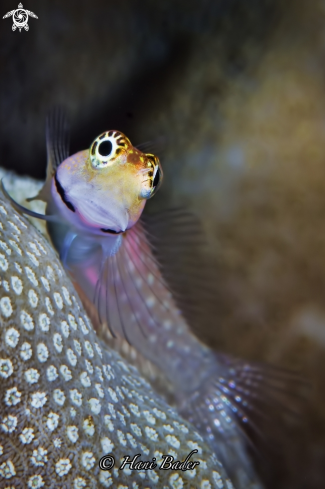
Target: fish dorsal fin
(57,147)
(57,138)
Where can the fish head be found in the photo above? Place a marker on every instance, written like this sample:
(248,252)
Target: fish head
(105,188)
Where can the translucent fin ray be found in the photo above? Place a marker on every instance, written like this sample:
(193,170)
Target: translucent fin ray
(57,137)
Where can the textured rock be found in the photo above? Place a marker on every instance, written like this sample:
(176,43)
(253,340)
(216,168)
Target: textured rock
(65,398)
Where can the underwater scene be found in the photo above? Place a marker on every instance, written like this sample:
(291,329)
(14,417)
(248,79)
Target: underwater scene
(162,244)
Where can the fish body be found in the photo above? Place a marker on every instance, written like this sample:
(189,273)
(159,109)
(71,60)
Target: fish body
(95,201)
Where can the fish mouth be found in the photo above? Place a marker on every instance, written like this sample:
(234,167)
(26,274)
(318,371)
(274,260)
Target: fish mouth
(99,219)
(111,231)
(62,194)
(92,212)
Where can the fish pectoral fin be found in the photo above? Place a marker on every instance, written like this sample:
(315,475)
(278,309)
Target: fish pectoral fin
(180,246)
(127,289)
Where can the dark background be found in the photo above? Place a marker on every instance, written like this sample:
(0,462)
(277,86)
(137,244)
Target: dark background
(231,92)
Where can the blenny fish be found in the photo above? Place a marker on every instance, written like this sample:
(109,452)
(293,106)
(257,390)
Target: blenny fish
(95,200)
(66,399)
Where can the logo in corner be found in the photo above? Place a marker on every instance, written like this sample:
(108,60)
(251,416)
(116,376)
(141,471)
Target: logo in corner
(20,18)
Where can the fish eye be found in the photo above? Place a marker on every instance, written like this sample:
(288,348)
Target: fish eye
(106,148)
(155,176)
(156,180)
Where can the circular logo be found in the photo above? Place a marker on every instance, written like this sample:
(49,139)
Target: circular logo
(107,462)
(20,18)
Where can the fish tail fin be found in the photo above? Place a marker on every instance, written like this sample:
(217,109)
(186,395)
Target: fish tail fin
(240,404)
